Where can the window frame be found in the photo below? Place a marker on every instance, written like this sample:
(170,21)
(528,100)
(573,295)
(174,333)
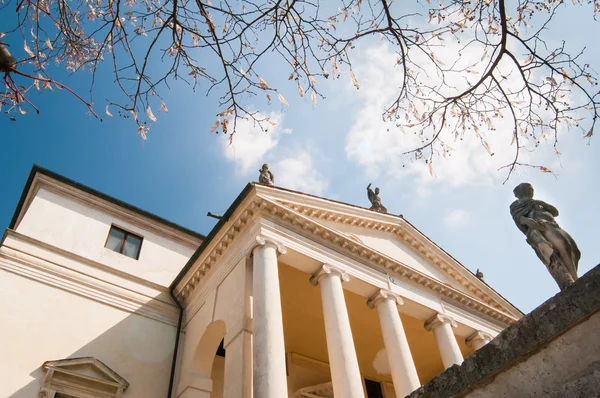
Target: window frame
(126,234)
(68,378)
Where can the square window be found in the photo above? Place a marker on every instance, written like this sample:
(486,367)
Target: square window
(124,242)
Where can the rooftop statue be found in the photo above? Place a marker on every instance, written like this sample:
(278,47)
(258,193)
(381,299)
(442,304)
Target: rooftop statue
(375,200)
(553,245)
(266,177)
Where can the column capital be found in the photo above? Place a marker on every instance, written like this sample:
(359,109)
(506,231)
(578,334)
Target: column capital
(438,320)
(327,270)
(383,295)
(262,240)
(478,338)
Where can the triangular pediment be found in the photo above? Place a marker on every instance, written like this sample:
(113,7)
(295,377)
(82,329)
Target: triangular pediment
(393,238)
(87,368)
(392,246)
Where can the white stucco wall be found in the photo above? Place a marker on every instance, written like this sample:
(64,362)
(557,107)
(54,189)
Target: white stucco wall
(81,229)
(41,323)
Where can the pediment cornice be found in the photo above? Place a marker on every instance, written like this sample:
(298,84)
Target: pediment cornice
(306,221)
(66,366)
(414,239)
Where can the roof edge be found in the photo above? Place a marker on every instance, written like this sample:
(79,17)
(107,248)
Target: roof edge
(38,169)
(224,219)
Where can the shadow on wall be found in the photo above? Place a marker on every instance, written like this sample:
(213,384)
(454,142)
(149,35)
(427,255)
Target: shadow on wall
(136,347)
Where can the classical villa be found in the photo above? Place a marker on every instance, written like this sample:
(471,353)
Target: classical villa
(290,295)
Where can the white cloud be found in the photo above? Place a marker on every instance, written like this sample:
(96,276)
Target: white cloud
(250,144)
(378,146)
(298,173)
(456,218)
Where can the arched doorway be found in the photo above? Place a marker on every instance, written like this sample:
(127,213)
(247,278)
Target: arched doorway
(209,362)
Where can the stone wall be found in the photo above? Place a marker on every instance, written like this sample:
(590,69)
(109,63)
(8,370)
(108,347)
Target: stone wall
(552,352)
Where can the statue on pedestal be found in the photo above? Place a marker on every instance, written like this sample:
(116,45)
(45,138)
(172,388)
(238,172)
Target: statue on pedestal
(553,245)
(266,177)
(375,200)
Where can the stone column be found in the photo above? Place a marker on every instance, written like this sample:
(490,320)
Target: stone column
(345,374)
(442,329)
(402,366)
(478,339)
(268,348)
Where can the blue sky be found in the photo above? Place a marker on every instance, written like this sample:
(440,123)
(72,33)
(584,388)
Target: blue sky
(334,150)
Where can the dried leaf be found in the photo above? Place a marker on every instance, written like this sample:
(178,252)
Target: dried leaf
(282,100)
(545,169)
(431,169)
(27,49)
(487,146)
(589,78)
(291,76)
(23,111)
(590,133)
(142,132)
(225,126)
(214,126)
(263,84)
(268,97)
(313,97)
(354,80)
(108,112)
(49,44)
(300,90)
(150,114)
